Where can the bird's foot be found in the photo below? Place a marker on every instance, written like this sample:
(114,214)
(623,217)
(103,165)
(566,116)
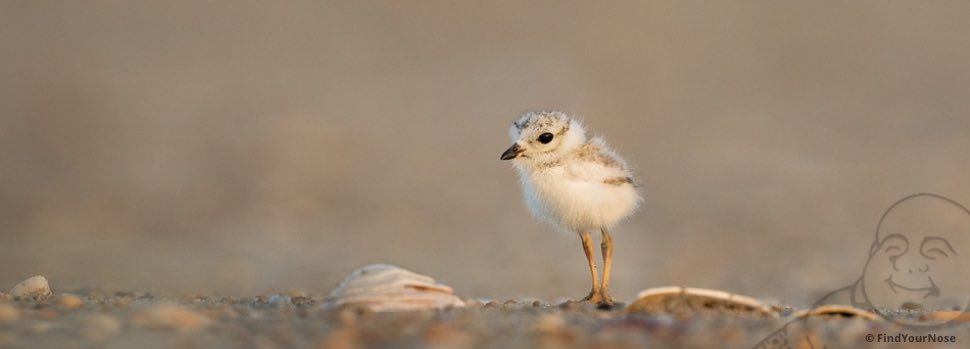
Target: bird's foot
(599,297)
(607,298)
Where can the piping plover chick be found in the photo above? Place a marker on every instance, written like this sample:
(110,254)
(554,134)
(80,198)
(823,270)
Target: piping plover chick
(574,182)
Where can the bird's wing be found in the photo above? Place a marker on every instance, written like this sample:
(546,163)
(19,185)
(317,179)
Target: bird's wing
(595,162)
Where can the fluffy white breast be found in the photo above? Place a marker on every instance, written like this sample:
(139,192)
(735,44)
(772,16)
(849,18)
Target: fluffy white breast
(587,189)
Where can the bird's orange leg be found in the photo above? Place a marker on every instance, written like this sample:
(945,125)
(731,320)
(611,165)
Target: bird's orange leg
(595,294)
(607,247)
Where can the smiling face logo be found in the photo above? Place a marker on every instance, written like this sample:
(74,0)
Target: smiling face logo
(919,260)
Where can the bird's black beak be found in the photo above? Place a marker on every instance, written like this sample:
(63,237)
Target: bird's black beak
(512,152)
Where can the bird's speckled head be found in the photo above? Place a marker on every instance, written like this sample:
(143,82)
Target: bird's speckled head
(544,134)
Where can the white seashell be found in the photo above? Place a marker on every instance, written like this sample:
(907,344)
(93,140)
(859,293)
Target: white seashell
(844,311)
(383,287)
(686,302)
(171,316)
(33,288)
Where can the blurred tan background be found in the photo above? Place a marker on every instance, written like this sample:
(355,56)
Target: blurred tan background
(254,147)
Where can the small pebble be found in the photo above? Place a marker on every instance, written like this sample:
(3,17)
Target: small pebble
(229,300)
(442,336)
(549,323)
(570,304)
(46,313)
(8,313)
(101,327)
(120,302)
(350,314)
(551,332)
(171,316)
(34,288)
(278,300)
(343,338)
(70,301)
(301,300)
(224,312)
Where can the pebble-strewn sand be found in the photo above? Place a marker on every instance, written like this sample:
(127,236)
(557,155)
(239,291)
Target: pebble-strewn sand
(102,319)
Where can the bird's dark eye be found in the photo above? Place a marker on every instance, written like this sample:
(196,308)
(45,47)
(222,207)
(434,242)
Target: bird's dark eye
(545,138)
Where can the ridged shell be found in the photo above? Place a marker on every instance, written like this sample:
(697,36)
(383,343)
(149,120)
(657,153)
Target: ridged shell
(686,302)
(837,311)
(383,287)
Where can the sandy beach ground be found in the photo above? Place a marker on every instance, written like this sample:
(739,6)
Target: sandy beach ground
(87,318)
